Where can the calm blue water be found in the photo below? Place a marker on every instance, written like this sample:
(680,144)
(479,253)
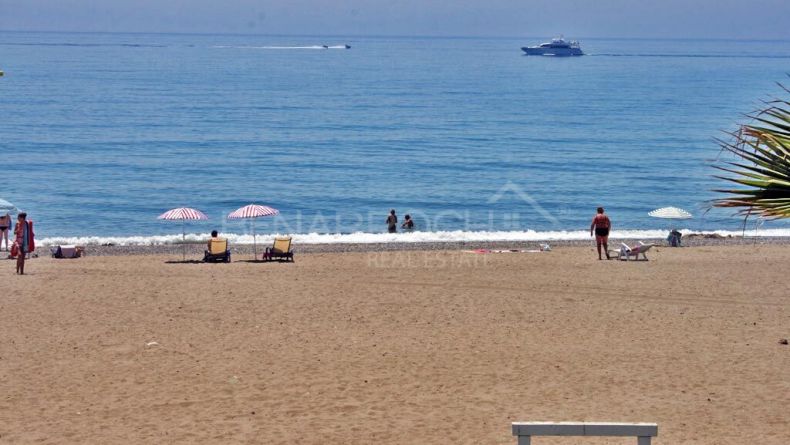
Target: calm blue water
(102,132)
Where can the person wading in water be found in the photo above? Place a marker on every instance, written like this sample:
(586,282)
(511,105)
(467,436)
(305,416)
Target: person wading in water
(392,222)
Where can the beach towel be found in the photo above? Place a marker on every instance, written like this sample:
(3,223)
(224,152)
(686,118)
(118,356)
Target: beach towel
(543,248)
(31,237)
(27,241)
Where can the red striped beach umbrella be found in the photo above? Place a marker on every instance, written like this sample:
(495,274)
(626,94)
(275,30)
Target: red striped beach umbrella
(183,214)
(253,211)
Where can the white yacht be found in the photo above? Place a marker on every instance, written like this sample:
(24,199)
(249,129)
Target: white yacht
(557,47)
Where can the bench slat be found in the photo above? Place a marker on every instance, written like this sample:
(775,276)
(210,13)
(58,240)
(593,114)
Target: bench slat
(601,429)
(548,429)
(584,429)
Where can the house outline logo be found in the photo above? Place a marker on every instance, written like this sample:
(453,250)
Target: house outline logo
(512,187)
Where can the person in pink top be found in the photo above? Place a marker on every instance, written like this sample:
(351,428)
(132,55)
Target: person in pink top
(601,226)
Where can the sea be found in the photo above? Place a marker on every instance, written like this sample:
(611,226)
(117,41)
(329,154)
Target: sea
(101,133)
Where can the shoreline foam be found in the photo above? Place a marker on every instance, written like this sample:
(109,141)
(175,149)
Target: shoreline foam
(458,236)
(194,250)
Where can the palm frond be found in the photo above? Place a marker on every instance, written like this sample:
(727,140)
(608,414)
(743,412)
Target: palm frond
(763,147)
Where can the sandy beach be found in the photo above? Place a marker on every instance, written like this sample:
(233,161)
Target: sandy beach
(403,347)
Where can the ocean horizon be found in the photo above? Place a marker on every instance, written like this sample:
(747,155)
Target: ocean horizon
(106,131)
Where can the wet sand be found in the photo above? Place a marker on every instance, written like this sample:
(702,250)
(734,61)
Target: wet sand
(415,347)
(195,250)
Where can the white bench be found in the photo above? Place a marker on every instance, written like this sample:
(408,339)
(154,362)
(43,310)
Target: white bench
(525,430)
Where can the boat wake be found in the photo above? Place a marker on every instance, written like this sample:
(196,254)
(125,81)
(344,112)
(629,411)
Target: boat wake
(85,45)
(283,47)
(697,56)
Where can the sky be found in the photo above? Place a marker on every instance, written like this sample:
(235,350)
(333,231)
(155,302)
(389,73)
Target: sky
(720,19)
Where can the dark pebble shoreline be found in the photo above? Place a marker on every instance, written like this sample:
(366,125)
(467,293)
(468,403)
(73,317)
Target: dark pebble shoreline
(196,249)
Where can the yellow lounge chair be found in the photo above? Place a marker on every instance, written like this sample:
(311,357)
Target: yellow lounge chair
(218,251)
(280,250)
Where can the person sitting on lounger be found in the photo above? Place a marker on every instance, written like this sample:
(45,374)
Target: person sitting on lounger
(217,250)
(674,238)
(214,237)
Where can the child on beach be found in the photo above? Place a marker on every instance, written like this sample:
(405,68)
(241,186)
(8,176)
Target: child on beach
(392,222)
(5,224)
(601,226)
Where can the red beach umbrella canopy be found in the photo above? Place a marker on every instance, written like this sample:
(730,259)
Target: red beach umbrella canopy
(183,213)
(253,211)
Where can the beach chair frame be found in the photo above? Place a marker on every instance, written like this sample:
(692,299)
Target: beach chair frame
(279,254)
(222,257)
(641,249)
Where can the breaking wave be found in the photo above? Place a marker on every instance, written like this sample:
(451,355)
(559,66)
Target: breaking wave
(283,47)
(410,237)
(696,56)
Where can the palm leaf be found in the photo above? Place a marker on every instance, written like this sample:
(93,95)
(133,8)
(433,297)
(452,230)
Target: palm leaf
(763,148)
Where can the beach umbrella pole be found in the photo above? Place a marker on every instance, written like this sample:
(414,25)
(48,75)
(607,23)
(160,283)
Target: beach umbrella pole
(253,211)
(183,214)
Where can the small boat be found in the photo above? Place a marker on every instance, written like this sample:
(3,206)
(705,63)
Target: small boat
(557,47)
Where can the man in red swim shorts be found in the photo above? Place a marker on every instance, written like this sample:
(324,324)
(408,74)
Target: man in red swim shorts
(601,226)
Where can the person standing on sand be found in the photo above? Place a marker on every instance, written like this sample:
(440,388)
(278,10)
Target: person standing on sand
(22,241)
(392,222)
(601,226)
(5,224)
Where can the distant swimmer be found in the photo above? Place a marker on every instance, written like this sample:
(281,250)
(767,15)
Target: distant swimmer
(408,223)
(392,222)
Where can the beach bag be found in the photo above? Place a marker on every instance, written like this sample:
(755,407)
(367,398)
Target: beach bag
(14,251)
